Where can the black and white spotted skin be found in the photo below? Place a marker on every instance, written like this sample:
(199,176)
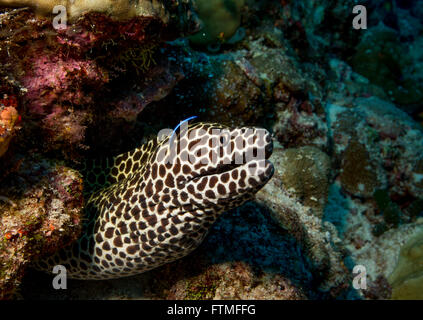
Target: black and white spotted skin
(161,199)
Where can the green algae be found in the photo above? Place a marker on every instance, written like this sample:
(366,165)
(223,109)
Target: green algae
(200,291)
(407,278)
(221,19)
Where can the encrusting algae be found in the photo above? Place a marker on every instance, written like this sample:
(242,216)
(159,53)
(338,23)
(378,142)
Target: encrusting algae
(407,278)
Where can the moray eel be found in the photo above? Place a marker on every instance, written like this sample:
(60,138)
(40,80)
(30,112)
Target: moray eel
(158,201)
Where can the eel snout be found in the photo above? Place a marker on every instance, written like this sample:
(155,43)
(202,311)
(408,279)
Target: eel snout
(228,166)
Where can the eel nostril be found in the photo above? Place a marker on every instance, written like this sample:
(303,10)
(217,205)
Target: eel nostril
(268,138)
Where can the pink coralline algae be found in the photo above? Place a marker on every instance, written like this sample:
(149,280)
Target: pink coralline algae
(54,81)
(70,78)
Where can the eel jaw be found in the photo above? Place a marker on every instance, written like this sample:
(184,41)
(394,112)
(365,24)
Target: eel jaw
(228,167)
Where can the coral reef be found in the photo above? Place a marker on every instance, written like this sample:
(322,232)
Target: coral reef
(66,78)
(382,149)
(120,10)
(407,279)
(220,20)
(378,254)
(40,212)
(236,281)
(60,82)
(305,175)
(296,205)
(384,57)
(357,175)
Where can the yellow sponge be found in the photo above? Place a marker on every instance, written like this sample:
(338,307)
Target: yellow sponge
(117,9)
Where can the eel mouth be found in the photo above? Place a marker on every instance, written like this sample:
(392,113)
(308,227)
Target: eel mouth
(222,168)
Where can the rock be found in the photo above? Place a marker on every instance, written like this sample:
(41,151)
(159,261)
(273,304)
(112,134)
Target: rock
(220,20)
(304,173)
(69,79)
(381,256)
(387,62)
(382,148)
(40,212)
(298,125)
(241,87)
(268,263)
(9,121)
(236,280)
(121,10)
(358,177)
(293,206)
(233,95)
(407,279)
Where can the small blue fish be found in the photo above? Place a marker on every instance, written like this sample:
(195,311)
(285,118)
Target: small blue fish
(176,128)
